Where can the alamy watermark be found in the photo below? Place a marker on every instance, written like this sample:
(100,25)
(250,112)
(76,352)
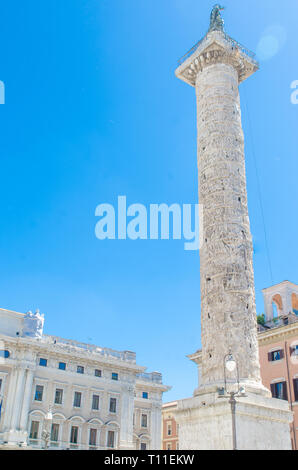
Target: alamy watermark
(159,221)
(294,94)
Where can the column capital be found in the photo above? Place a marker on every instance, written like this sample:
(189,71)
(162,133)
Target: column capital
(216,48)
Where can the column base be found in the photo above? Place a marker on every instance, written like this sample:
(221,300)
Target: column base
(14,438)
(126,446)
(205,422)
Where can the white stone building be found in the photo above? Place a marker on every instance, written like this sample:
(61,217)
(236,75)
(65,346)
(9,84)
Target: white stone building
(63,394)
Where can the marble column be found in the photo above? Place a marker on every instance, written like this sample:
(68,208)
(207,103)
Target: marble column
(26,399)
(156,420)
(126,425)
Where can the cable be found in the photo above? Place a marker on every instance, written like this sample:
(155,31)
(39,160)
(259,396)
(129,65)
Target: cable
(259,190)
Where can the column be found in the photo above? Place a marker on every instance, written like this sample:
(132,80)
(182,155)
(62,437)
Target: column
(18,399)
(156,426)
(126,423)
(26,400)
(9,401)
(227,280)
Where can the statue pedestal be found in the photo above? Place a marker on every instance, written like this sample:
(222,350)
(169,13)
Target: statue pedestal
(261,423)
(15,438)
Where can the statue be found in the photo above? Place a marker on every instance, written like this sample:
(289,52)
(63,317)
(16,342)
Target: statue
(216,21)
(33,325)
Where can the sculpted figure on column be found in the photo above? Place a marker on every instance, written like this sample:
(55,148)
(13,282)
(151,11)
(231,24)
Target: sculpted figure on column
(216,20)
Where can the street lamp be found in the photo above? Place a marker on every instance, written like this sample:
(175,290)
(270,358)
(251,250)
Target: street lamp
(46,433)
(230,365)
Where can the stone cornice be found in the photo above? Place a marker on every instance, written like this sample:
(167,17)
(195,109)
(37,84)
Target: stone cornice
(278,334)
(56,351)
(215,49)
(152,385)
(283,283)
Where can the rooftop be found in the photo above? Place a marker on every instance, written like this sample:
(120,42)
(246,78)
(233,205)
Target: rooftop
(76,346)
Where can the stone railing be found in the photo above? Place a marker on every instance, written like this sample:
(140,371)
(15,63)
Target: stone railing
(76,346)
(155,377)
(230,40)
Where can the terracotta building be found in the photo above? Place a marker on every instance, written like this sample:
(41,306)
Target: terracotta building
(278,346)
(278,349)
(169,427)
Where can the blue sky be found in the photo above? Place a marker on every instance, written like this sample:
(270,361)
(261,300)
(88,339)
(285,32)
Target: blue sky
(93,110)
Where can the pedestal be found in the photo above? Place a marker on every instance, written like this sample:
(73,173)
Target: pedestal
(261,423)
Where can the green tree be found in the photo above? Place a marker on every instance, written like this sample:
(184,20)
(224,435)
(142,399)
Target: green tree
(261,319)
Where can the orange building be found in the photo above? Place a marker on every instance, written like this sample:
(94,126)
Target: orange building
(169,427)
(278,348)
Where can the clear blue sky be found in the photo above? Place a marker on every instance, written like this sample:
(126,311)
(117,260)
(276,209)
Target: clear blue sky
(93,110)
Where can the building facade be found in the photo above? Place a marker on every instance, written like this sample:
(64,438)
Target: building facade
(61,394)
(278,350)
(278,346)
(170,430)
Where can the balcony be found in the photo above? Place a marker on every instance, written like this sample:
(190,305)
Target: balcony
(154,377)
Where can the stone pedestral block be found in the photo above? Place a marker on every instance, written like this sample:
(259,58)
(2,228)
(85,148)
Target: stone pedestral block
(205,423)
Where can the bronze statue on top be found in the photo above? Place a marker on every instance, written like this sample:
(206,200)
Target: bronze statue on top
(216,20)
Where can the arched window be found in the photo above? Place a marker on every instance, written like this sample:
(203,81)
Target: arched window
(277,306)
(275,311)
(295,303)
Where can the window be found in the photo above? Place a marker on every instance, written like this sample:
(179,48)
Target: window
(80,369)
(92,437)
(43,362)
(4,353)
(113,405)
(144,421)
(77,399)
(279,390)
(62,366)
(169,447)
(97,373)
(0,384)
(145,395)
(143,446)
(38,393)
(55,432)
(58,396)
(275,355)
(111,439)
(95,402)
(295,383)
(169,430)
(114,376)
(34,430)
(74,433)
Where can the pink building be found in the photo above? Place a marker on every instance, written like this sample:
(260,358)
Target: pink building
(278,346)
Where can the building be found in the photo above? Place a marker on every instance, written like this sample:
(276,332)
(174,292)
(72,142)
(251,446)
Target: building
(170,439)
(216,66)
(278,350)
(278,346)
(63,394)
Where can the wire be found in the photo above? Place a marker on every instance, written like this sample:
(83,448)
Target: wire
(259,189)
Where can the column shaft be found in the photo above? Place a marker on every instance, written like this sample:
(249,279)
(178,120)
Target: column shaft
(227,280)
